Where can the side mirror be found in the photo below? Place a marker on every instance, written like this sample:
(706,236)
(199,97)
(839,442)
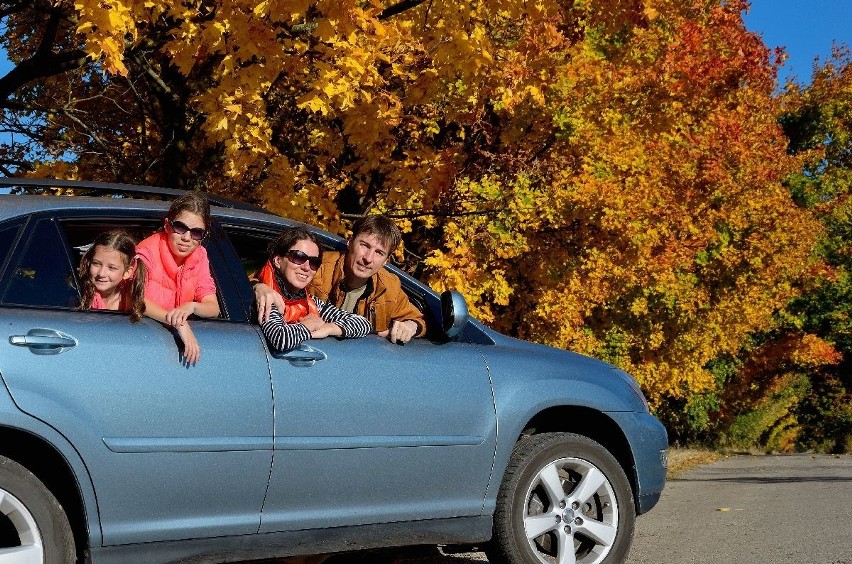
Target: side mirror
(454,314)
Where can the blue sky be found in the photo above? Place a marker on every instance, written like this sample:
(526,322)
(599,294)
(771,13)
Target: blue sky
(805,28)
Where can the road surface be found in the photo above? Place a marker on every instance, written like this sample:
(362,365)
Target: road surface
(741,510)
(752,509)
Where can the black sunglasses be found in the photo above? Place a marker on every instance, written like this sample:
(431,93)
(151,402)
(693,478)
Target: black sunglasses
(298,258)
(180,228)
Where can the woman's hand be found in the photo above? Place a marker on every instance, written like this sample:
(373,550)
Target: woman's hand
(266,297)
(191,348)
(312,321)
(327,330)
(179,315)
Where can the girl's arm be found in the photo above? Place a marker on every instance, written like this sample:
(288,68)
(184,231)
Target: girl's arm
(155,311)
(191,348)
(283,336)
(207,307)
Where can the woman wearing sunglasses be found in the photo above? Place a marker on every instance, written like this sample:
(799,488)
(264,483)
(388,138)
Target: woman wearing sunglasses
(294,258)
(179,283)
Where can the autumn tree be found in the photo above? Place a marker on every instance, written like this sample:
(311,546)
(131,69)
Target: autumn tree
(600,176)
(818,121)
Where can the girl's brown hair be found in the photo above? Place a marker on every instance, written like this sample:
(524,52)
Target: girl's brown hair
(133,289)
(192,202)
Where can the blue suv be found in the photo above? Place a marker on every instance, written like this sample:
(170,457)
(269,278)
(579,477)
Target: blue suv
(112,450)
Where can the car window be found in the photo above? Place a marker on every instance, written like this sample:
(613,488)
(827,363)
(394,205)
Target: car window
(251,245)
(7,239)
(43,276)
(80,233)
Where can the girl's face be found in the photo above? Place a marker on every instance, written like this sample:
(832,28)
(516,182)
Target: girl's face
(193,229)
(297,276)
(109,267)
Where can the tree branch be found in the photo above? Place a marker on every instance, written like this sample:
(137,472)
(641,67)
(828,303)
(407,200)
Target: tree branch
(44,61)
(398,8)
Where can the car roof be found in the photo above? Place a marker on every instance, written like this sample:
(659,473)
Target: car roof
(114,188)
(17,205)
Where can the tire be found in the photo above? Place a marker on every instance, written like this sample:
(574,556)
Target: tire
(570,493)
(33,526)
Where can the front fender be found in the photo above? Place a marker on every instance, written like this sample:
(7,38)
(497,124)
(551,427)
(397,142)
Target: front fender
(13,419)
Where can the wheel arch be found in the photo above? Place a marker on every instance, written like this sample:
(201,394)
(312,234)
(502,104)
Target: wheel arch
(589,423)
(52,469)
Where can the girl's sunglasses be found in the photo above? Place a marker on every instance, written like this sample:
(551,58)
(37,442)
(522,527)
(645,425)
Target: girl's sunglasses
(298,258)
(180,228)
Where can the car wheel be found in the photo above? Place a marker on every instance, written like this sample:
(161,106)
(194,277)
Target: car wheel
(33,526)
(564,499)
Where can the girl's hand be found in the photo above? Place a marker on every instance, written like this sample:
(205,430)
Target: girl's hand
(179,315)
(191,348)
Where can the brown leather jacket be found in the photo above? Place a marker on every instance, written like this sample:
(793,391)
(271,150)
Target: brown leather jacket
(383,300)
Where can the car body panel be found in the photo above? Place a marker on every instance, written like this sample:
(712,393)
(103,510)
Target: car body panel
(555,378)
(146,424)
(381,436)
(13,418)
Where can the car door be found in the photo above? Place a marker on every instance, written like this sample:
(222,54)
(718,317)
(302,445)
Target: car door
(174,452)
(376,432)
(373,432)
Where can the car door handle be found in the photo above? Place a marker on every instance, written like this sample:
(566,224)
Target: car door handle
(44,341)
(303,355)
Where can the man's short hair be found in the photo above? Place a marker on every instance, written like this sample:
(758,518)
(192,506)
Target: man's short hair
(382,227)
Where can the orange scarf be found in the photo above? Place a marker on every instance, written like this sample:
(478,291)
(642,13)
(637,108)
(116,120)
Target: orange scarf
(294,310)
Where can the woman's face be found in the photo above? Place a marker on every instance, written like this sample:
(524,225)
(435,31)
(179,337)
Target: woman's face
(183,244)
(297,276)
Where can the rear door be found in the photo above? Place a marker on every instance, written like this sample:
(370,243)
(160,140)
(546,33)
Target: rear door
(174,452)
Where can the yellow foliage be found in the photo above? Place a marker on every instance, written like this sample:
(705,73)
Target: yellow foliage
(600,176)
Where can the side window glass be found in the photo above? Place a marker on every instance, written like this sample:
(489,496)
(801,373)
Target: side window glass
(43,276)
(251,247)
(7,238)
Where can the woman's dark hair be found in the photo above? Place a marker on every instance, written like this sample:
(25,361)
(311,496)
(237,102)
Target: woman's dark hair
(133,289)
(193,202)
(289,237)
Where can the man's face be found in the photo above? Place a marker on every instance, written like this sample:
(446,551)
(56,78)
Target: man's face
(365,255)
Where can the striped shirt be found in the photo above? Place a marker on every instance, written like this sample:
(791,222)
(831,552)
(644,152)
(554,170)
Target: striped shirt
(283,336)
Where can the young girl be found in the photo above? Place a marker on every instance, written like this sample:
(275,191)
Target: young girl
(293,261)
(111,276)
(178,282)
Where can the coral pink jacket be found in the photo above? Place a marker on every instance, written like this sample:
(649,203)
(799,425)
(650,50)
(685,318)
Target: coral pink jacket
(98,301)
(169,285)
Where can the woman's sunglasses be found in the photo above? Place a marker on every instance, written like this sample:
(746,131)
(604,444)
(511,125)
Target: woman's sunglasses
(298,258)
(180,228)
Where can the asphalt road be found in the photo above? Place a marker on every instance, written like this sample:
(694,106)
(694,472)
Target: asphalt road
(790,509)
(752,509)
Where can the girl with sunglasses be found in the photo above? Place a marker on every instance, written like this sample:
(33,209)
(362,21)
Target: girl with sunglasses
(179,283)
(293,261)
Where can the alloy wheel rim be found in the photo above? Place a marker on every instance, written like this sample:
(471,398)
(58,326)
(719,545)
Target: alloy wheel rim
(570,513)
(30,546)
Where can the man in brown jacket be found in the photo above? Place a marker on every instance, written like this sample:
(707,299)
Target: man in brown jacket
(357,281)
